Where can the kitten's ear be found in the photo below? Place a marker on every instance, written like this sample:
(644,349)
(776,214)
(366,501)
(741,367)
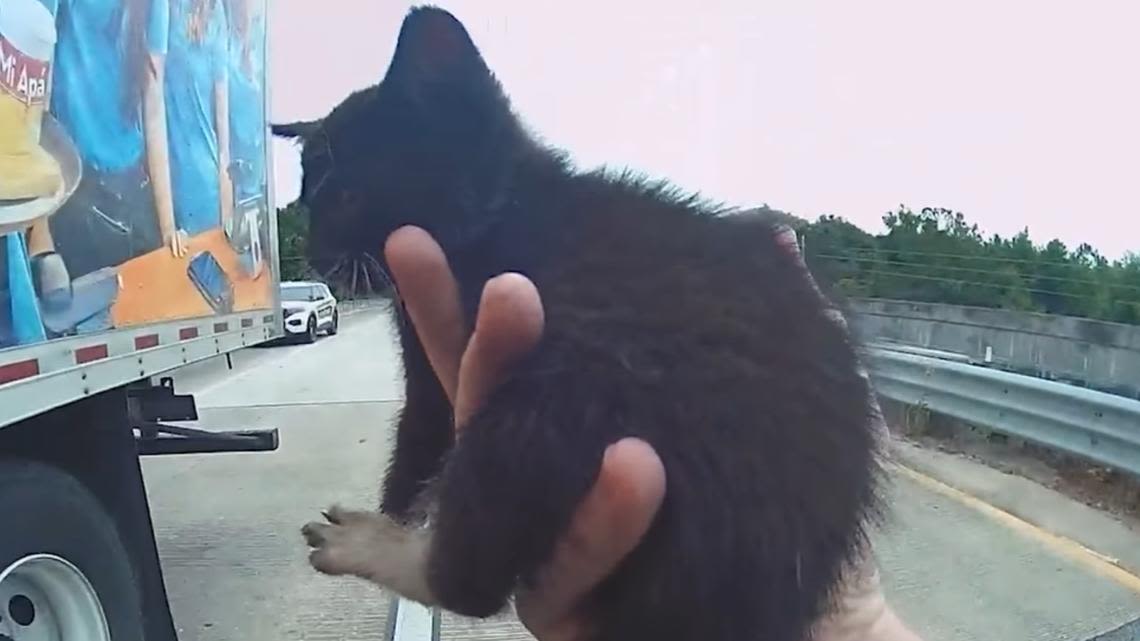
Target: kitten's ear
(301,131)
(435,51)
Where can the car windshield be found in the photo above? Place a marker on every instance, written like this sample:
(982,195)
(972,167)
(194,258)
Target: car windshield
(299,293)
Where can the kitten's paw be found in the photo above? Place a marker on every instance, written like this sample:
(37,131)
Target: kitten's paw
(346,542)
(371,546)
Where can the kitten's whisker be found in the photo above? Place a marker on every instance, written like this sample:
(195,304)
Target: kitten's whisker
(373,265)
(383,273)
(328,275)
(367,280)
(355,272)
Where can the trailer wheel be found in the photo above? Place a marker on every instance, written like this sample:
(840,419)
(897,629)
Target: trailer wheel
(64,572)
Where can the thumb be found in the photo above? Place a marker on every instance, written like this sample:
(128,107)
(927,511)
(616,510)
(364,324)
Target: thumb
(608,525)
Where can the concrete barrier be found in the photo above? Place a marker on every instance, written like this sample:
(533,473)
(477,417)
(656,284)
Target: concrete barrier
(1095,354)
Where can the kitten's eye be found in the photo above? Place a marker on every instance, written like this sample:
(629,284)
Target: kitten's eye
(349,199)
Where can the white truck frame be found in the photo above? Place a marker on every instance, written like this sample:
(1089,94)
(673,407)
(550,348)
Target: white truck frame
(69,411)
(76,414)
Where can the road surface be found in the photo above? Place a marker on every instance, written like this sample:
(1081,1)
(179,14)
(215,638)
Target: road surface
(955,567)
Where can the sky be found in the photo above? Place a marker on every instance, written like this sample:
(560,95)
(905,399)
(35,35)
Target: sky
(1019,113)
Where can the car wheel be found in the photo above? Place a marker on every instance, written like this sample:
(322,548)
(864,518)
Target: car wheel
(64,570)
(311,330)
(335,327)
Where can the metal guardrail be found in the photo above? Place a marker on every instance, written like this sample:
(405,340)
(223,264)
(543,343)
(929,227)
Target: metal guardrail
(1101,427)
(362,303)
(940,354)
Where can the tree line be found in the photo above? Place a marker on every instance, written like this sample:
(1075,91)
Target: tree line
(933,255)
(936,255)
(292,241)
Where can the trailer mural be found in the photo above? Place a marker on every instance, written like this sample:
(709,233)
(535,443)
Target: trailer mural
(133,164)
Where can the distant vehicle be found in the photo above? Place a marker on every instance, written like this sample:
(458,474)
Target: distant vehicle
(308,308)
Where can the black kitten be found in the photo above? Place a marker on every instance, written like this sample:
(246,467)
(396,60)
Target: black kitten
(665,320)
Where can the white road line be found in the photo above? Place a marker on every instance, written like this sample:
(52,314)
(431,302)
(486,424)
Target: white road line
(284,355)
(411,621)
(1085,557)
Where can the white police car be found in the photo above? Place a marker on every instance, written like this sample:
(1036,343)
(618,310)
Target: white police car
(308,308)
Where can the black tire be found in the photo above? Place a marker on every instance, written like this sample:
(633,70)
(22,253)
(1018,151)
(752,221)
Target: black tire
(311,330)
(55,514)
(335,327)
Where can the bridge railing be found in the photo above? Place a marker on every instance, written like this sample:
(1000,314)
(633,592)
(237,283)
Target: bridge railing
(1100,427)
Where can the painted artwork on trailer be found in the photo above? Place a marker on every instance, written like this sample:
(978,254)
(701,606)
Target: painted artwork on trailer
(133,166)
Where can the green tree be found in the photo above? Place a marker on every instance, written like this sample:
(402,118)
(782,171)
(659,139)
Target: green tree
(292,234)
(937,255)
(845,253)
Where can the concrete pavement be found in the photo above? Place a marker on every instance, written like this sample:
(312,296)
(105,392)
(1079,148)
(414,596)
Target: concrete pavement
(235,563)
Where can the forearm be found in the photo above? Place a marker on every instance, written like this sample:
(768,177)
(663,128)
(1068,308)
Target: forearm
(222,121)
(222,129)
(157,146)
(39,238)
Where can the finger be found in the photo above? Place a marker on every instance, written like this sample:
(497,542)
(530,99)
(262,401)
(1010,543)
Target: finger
(607,526)
(431,297)
(508,327)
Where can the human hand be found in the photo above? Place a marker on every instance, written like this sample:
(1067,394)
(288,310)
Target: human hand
(618,510)
(630,486)
(178,242)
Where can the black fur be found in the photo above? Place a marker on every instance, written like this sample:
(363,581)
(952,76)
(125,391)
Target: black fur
(665,320)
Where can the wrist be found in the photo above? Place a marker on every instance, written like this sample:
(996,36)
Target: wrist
(889,627)
(860,611)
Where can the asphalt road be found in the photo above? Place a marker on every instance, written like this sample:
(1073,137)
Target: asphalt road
(954,566)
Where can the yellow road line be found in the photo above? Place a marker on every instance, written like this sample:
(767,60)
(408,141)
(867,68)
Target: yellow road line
(1066,547)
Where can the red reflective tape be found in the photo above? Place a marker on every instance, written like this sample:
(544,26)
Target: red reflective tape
(146,341)
(246,322)
(20,369)
(90,353)
(186,333)
(221,327)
